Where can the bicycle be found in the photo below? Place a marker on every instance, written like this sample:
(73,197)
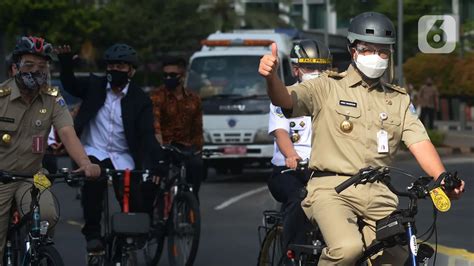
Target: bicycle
(125,233)
(175,214)
(399,227)
(27,240)
(272,249)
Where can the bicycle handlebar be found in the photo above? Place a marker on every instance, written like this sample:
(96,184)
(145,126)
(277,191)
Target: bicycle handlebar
(302,166)
(418,189)
(364,175)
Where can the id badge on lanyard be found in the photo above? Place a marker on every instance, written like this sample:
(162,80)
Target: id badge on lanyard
(382,136)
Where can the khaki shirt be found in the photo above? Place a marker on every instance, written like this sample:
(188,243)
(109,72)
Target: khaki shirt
(24,128)
(330,100)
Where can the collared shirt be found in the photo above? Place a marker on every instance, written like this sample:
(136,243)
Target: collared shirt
(104,137)
(178,120)
(331,101)
(298,129)
(24,128)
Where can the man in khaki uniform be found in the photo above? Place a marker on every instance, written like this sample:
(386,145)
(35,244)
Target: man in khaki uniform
(358,121)
(28,108)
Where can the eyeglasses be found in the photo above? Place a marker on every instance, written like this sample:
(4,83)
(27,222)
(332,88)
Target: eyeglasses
(384,53)
(29,66)
(171,74)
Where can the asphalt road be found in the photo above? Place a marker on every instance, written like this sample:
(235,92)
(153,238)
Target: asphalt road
(232,206)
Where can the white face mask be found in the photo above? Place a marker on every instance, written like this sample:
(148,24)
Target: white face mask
(308,76)
(373,66)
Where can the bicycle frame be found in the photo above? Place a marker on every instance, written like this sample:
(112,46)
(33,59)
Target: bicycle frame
(36,235)
(404,217)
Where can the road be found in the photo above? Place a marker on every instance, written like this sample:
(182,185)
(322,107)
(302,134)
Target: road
(232,209)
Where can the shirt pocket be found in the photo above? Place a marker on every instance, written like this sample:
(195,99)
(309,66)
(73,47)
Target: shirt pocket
(353,116)
(8,133)
(393,126)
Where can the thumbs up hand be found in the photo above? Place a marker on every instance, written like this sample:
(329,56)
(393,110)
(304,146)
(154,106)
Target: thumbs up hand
(269,63)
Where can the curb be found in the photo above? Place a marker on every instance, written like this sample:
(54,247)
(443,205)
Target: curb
(452,256)
(442,151)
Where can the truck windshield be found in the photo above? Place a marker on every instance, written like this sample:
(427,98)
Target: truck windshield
(226,77)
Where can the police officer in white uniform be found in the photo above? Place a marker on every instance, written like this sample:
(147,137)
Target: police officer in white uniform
(293,143)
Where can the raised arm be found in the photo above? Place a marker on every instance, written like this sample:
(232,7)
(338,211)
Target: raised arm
(69,81)
(276,90)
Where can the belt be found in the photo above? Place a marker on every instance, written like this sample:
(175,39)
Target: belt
(317,173)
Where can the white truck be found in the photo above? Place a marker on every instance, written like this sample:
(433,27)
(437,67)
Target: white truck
(234,99)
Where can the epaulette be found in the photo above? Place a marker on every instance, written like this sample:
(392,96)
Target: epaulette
(52,91)
(395,88)
(5,91)
(334,74)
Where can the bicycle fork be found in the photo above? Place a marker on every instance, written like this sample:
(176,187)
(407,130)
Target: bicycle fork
(413,246)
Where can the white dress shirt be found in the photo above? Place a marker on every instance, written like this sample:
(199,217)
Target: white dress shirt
(104,136)
(298,125)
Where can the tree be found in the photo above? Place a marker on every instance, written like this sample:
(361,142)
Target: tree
(451,74)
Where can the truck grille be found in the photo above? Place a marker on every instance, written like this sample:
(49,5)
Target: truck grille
(232,137)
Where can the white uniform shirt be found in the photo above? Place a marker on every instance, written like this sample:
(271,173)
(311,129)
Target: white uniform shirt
(298,125)
(104,137)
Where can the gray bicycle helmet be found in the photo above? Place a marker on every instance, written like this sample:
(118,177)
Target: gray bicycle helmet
(32,45)
(120,52)
(371,27)
(311,53)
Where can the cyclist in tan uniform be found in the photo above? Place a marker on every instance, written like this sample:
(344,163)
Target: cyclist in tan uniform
(358,121)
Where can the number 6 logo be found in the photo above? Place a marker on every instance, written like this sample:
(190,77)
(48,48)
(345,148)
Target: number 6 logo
(437,34)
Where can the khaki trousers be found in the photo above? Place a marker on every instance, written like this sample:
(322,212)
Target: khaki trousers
(337,215)
(20,192)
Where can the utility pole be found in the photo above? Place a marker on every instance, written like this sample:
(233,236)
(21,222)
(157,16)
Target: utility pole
(326,30)
(305,15)
(400,44)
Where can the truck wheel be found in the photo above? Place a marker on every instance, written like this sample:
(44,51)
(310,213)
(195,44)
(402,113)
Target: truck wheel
(236,169)
(221,170)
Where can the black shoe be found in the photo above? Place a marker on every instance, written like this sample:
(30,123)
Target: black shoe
(94,245)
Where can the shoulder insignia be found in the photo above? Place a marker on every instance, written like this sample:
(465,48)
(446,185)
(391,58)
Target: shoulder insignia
(5,91)
(279,112)
(395,88)
(334,74)
(52,91)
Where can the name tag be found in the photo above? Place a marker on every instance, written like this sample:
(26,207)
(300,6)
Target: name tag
(38,144)
(7,119)
(382,141)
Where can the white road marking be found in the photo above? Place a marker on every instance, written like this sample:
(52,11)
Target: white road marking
(235,199)
(75,223)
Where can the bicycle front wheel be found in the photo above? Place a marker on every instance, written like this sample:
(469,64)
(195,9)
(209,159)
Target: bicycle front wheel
(185,230)
(49,256)
(272,251)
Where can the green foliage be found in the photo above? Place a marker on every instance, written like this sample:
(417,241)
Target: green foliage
(57,21)
(451,74)
(436,137)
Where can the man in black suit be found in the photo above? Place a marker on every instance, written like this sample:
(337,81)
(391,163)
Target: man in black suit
(115,123)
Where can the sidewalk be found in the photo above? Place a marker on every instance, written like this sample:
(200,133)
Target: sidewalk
(455,142)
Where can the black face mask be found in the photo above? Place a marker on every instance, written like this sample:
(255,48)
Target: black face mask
(171,83)
(31,81)
(117,78)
